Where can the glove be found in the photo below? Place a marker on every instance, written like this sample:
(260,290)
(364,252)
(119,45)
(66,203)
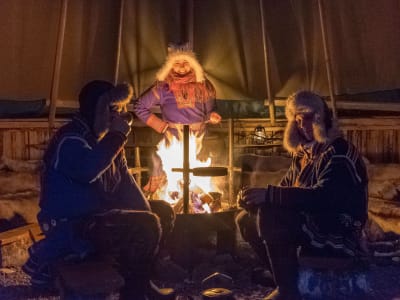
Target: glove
(215,118)
(251,198)
(121,123)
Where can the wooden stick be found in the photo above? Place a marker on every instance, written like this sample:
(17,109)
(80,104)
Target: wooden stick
(230,162)
(138,165)
(118,54)
(57,65)
(270,99)
(190,23)
(327,58)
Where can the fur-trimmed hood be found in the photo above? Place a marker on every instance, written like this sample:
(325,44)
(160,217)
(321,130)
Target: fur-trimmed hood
(325,128)
(95,101)
(120,95)
(175,54)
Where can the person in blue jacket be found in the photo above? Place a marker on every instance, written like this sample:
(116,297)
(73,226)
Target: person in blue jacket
(89,202)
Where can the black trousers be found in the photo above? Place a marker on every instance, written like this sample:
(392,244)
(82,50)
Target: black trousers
(132,238)
(167,217)
(271,225)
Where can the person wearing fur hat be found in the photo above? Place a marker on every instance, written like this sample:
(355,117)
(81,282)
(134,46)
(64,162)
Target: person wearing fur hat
(185,96)
(89,202)
(321,202)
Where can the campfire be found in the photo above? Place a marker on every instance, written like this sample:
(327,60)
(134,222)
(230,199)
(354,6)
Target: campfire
(188,193)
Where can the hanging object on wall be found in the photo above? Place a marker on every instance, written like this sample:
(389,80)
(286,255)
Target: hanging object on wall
(259,135)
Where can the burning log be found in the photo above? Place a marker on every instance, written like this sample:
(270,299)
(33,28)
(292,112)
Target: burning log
(200,202)
(186,194)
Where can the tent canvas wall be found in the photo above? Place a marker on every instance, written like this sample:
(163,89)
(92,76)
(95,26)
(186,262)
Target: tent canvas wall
(227,35)
(51,48)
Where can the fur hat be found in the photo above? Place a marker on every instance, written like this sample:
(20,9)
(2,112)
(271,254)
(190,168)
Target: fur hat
(180,52)
(95,100)
(324,127)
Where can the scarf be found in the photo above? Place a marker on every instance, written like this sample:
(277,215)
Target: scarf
(187,91)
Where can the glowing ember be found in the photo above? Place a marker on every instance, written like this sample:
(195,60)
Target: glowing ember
(199,187)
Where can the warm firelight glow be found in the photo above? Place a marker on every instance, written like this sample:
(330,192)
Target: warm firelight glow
(172,157)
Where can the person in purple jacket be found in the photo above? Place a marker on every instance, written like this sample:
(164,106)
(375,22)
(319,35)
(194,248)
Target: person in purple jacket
(185,96)
(90,205)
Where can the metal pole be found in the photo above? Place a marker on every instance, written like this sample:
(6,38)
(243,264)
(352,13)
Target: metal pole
(270,100)
(186,169)
(230,160)
(118,54)
(327,58)
(57,65)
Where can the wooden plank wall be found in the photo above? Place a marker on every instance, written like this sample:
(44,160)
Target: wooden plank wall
(24,139)
(377,138)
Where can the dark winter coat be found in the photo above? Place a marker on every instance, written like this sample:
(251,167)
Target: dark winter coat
(83,179)
(330,187)
(83,176)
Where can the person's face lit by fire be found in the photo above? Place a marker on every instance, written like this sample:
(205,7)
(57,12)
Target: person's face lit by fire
(181,67)
(304,123)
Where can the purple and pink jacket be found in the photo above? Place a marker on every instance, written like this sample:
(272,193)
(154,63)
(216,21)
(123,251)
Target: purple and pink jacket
(161,95)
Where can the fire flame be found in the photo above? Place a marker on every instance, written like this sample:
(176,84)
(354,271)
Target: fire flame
(172,157)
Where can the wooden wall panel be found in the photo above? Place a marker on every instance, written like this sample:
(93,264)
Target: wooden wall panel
(24,139)
(377,138)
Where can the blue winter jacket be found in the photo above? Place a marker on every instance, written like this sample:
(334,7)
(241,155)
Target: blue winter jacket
(83,176)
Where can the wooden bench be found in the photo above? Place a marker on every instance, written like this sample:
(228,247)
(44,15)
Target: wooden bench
(14,244)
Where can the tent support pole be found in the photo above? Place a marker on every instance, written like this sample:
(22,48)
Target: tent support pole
(57,65)
(270,100)
(327,58)
(118,54)
(190,20)
(186,22)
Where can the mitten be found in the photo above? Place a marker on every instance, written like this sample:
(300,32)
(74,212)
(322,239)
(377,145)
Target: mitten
(121,123)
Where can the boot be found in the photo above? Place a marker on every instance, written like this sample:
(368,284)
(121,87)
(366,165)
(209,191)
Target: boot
(248,229)
(263,274)
(156,293)
(138,285)
(276,294)
(139,290)
(132,290)
(283,260)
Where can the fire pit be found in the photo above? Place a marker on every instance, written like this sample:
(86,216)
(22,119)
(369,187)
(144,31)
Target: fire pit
(214,233)
(191,228)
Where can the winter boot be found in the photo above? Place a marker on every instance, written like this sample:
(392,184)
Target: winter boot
(283,260)
(248,230)
(263,274)
(139,290)
(156,293)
